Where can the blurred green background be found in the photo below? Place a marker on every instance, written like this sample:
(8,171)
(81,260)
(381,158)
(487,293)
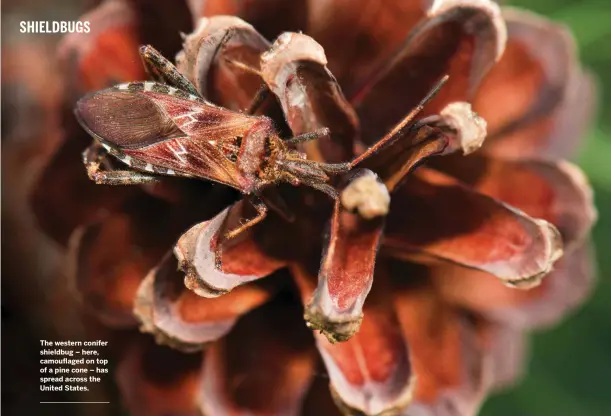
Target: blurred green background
(570,369)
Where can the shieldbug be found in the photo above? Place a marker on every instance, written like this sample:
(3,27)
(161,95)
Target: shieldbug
(165,127)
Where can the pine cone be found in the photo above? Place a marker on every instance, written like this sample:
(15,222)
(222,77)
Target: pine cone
(469,250)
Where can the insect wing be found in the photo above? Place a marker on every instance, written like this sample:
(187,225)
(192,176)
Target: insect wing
(201,119)
(186,157)
(156,131)
(124,119)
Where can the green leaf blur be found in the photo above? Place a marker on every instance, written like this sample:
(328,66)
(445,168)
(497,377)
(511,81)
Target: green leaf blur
(570,369)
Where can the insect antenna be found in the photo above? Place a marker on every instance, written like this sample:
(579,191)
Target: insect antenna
(398,129)
(244,67)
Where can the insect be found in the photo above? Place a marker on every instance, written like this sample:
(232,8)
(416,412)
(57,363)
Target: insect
(166,128)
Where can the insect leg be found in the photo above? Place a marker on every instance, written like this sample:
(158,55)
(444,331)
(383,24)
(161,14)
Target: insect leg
(335,167)
(261,214)
(263,93)
(398,130)
(95,153)
(94,156)
(276,203)
(306,137)
(162,70)
(223,44)
(260,97)
(323,187)
(120,177)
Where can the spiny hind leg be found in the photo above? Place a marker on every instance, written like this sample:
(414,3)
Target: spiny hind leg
(162,70)
(94,158)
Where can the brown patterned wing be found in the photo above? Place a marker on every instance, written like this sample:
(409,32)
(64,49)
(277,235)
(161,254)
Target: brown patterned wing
(157,128)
